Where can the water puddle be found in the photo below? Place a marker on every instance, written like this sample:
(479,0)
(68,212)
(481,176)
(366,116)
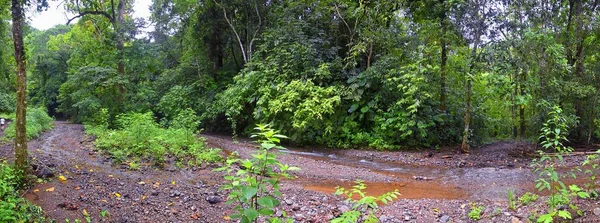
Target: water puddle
(416,182)
(408,190)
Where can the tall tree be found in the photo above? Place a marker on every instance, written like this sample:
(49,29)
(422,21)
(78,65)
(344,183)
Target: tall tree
(114,12)
(21,155)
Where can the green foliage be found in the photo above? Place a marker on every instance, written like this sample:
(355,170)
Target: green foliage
(13,208)
(365,207)
(511,200)
(38,121)
(552,136)
(174,101)
(254,187)
(7,102)
(138,135)
(528,198)
(475,213)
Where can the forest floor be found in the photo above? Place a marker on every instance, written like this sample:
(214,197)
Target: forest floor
(435,186)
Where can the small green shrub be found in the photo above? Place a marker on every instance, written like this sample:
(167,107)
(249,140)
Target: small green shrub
(255,186)
(14,208)
(38,121)
(511,200)
(553,134)
(528,198)
(365,206)
(475,213)
(139,136)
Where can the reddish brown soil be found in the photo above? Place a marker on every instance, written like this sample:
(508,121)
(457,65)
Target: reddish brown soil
(432,188)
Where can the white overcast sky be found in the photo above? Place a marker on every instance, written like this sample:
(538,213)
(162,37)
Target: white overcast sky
(56,14)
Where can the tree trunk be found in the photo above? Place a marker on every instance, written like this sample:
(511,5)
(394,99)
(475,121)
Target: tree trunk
(21,155)
(120,42)
(444,60)
(513,109)
(522,107)
(465,141)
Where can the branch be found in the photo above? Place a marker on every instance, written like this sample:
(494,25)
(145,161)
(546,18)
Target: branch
(256,31)
(81,14)
(234,31)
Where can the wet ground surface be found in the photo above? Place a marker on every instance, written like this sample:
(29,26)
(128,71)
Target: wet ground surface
(433,187)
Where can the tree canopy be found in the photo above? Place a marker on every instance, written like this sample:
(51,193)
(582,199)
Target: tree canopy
(380,74)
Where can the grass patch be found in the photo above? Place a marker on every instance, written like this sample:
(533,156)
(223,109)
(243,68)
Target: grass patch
(38,121)
(137,135)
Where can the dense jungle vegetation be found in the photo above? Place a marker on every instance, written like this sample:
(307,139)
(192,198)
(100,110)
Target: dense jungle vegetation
(383,74)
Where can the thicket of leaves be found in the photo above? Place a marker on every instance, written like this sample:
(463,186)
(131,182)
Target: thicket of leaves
(383,74)
(13,207)
(138,136)
(38,121)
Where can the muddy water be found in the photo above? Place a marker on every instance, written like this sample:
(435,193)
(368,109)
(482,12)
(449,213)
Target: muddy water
(429,182)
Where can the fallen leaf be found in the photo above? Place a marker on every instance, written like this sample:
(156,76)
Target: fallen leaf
(50,189)
(104,200)
(85,213)
(77,188)
(117,194)
(36,190)
(227,218)
(141,183)
(62,178)
(77,167)
(91,170)
(143,197)
(173,182)
(110,175)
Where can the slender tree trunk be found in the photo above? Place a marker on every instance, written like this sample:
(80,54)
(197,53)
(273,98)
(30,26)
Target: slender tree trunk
(21,155)
(513,109)
(522,107)
(120,42)
(444,61)
(465,141)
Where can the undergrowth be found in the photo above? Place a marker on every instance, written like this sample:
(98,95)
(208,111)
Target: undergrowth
(137,135)
(13,208)
(38,121)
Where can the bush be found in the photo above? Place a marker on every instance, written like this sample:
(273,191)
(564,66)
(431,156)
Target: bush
(38,121)
(14,208)
(138,135)
(255,187)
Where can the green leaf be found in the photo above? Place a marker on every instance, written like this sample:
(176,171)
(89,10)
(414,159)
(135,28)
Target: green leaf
(251,214)
(249,192)
(268,201)
(546,218)
(564,214)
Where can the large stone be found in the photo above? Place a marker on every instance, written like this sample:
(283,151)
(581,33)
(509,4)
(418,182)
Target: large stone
(44,173)
(445,218)
(597,211)
(213,199)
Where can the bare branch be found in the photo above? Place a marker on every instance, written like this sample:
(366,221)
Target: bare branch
(234,31)
(81,14)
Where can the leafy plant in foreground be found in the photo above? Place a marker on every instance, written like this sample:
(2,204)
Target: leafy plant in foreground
(365,205)
(255,186)
(13,208)
(511,200)
(528,198)
(552,136)
(475,213)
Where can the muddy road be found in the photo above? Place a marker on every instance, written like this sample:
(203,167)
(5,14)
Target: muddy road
(440,187)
